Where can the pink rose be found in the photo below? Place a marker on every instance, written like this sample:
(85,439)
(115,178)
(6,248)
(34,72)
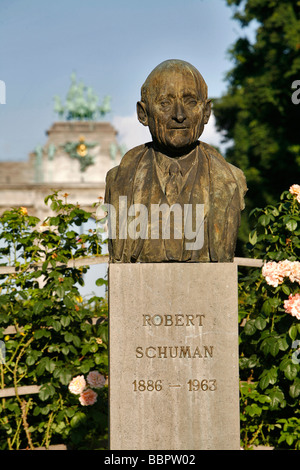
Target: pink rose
(77,385)
(88,397)
(295,189)
(95,379)
(292,305)
(294,274)
(275,273)
(285,267)
(272,273)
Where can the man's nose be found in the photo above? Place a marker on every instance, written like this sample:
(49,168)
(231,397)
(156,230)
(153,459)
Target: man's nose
(179,112)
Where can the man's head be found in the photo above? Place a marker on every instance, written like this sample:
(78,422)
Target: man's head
(174,106)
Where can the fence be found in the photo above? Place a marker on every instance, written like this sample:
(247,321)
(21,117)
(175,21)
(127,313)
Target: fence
(33,389)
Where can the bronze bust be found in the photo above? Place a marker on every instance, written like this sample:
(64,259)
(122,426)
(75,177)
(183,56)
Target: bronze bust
(174,199)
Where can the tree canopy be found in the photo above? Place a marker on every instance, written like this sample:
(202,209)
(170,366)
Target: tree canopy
(259,119)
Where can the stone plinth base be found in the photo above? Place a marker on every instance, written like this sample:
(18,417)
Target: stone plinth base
(174,356)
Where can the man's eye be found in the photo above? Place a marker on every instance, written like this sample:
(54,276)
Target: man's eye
(191,102)
(165,103)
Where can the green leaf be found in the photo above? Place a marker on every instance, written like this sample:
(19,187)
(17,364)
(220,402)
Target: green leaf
(295,389)
(264,382)
(71,234)
(252,361)
(260,323)
(93,348)
(264,220)
(76,341)
(291,225)
(78,420)
(32,357)
(274,347)
(68,302)
(101,358)
(269,376)
(38,307)
(267,307)
(70,412)
(285,289)
(101,282)
(46,391)
(36,411)
(103,332)
(277,398)
(65,321)
(56,325)
(253,237)
(65,350)
(45,265)
(290,371)
(50,365)
(38,334)
(293,332)
(270,345)
(68,337)
(40,368)
(54,220)
(60,291)
(250,327)
(65,376)
(30,360)
(253,410)
(283,344)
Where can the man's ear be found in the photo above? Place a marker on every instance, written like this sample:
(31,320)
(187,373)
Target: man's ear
(207,111)
(142,113)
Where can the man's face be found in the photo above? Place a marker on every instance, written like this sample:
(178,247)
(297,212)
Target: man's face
(176,112)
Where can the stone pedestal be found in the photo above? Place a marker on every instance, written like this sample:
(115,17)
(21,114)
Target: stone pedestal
(174,356)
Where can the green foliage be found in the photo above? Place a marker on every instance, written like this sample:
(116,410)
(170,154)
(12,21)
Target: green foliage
(257,115)
(276,234)
(55,335)
(270,383)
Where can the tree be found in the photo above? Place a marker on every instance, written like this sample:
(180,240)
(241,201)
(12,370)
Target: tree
(257,114)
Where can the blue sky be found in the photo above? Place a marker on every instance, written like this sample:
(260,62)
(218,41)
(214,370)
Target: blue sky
(112,46)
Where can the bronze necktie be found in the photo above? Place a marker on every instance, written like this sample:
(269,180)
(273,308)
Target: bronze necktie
(173,244)
(173,183)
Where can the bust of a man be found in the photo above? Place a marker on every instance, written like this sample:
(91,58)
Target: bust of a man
(175,198)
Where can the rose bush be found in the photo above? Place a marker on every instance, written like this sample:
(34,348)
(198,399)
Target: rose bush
(78,386)
(57,335)
(269,317)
